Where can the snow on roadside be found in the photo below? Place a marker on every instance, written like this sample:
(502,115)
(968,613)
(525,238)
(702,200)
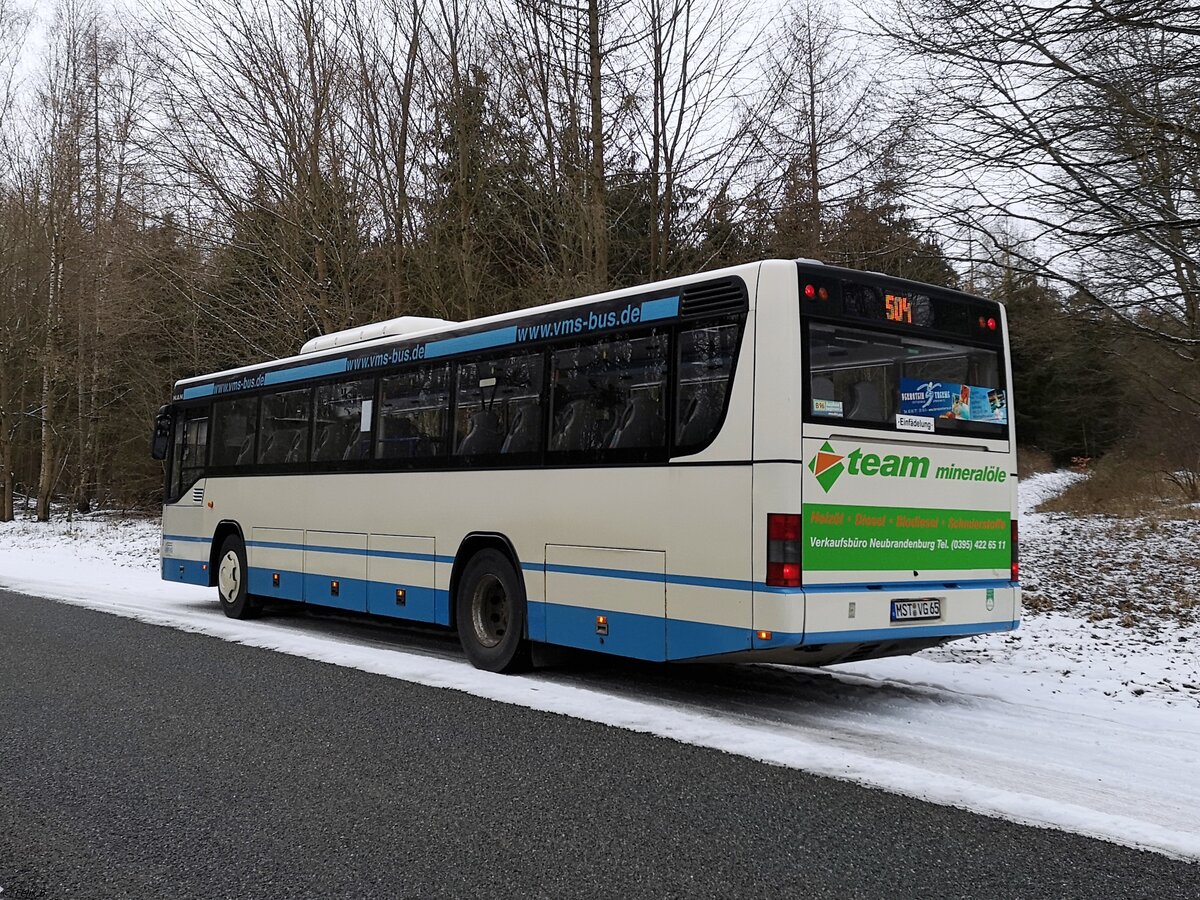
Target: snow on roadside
(1070,722)
(1035,490)
(1110,610)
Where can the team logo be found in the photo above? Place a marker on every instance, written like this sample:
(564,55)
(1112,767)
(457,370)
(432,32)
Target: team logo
(827,466)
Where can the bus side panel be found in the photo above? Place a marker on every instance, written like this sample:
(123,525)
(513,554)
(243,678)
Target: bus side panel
(606,599)
(276,552)
(709,604)
(401,578)
(777,446)
(335,569)
(185,543)
(781,611)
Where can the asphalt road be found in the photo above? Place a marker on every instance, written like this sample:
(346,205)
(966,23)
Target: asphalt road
(139,761)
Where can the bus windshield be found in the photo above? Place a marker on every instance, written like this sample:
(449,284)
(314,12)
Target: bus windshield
(891,380)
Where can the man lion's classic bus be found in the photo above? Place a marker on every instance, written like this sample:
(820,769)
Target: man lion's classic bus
(783,461)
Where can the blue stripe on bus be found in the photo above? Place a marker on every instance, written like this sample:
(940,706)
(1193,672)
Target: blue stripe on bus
(728,584)
(904,632)
(299,373)
(649,311)
(664,308)
(186,537)
(351,551)
(469,342)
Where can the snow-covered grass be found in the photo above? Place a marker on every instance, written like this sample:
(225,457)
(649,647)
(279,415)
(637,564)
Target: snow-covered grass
(1080,720)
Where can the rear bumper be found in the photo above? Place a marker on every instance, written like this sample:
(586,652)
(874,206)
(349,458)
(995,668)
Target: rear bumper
(829,623)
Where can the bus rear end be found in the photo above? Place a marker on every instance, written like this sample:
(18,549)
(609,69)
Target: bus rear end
(897,530)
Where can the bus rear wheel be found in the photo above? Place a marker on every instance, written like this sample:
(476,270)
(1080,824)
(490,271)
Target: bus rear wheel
(232,573)
(490,611)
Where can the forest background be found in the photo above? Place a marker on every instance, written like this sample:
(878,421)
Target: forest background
(196,184)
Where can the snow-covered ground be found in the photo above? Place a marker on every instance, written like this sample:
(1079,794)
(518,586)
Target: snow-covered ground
(1087,719)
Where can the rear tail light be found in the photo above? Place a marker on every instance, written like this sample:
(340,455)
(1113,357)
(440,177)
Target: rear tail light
(1016,566)
(783,550)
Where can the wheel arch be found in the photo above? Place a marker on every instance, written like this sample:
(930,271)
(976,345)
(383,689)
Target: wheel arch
(224,529)
(472,544)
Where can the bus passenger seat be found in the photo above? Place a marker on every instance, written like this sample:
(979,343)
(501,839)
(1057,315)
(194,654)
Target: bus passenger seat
(698,421)
(575,428)
(358,444)
(523,436)
(485,435)
(865,402)
(641,424)
(246,454)
(296,452)
(822,388)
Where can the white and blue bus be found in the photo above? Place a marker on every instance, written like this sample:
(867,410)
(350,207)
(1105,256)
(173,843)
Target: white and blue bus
(781,461)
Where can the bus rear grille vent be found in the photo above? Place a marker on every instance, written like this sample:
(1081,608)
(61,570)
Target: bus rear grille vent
(198,495)
(713,298)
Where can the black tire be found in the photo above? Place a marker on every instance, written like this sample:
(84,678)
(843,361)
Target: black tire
(490,612)
(232,573)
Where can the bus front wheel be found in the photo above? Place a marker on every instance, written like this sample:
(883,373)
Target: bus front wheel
(232,572)
(490,613)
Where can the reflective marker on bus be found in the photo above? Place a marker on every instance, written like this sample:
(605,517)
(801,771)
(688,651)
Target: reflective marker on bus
(781,461)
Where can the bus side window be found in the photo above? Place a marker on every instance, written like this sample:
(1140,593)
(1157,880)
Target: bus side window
(233,425)
(414,408)
(342,421)
(498,406)
(706,357)
(283,427)
(611,396)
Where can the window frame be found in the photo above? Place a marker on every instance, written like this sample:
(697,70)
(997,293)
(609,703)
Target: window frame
(737,321)
(376,462)
(606,456)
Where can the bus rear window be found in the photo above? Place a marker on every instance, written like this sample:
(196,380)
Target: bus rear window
(887,380)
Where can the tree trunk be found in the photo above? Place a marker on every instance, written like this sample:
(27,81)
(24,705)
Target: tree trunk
(6,448)
(599,204)
(49,379)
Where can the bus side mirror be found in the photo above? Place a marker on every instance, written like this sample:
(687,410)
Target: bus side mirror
(160,440)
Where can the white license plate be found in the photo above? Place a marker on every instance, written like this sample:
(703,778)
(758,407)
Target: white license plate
(916,610)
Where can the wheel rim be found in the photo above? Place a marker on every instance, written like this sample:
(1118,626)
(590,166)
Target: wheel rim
(490,606)
(229,577)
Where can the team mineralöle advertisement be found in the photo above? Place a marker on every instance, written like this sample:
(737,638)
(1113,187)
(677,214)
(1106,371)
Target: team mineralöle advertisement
(874,528)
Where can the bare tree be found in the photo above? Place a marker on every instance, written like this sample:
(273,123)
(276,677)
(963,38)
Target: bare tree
(385,46)
(15,303)
(255,96)
(698,52)
(820,130)
(1074,126)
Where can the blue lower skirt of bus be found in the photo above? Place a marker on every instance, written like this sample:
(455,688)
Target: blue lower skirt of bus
(186,571)
(651,638)
(401,601)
